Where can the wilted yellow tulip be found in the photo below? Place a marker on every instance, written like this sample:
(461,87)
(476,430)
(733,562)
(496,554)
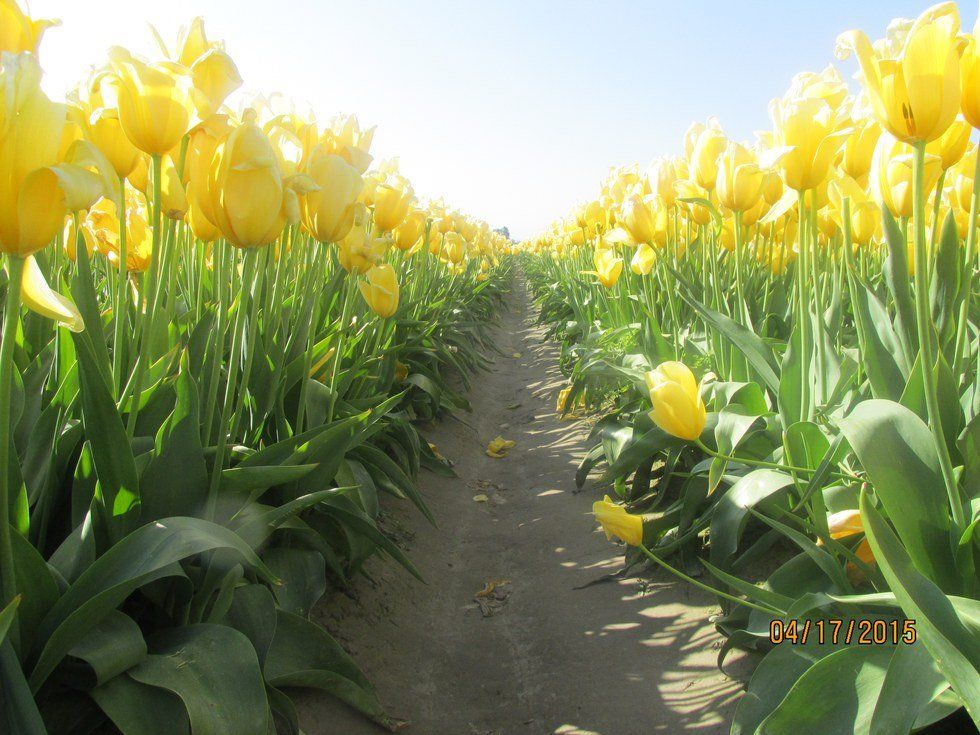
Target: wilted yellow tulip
(18,32)
(36,191)
(739,182)
(156,104)
(328,214)
(677,405)
(913,83)
(616,522)
(37,296)
(891,175)
(380,290)
(643,259)
(499,447)
(391,202)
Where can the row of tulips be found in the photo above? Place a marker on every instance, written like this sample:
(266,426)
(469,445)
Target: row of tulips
(218,330)
(801,316)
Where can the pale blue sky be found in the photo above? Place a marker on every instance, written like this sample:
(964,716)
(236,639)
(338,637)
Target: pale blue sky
(512,110)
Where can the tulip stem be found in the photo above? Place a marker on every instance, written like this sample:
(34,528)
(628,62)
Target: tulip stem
(11,313)
(927,359)
(122,307)
(971,240)
(708,588)
(762,463)
(350,282)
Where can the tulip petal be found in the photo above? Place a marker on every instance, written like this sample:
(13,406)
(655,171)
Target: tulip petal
(40,298)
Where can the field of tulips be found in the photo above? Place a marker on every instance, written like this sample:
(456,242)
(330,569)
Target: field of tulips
(219,329)
(801,315)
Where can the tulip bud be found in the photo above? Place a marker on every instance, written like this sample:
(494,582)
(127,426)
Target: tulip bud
(380,290)
(677,405)
(328,214)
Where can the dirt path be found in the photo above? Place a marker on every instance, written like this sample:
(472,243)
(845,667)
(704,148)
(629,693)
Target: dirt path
(619,658)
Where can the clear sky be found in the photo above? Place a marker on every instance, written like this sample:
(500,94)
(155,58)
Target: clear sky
(511,109)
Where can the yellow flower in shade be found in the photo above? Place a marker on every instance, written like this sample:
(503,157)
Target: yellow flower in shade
(499,447)
(643,259)
(401,371)
(36,192)
(913,83)
(18,32)
(380,290)
(951,145)
(391,202)
(411,230)
(616,522)
(891,175)
(328,214)
(739,179)
(156,101)
(677,405)
(844,523)
(38,296)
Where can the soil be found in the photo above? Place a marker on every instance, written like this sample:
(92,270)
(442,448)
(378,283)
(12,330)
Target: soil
(537,653)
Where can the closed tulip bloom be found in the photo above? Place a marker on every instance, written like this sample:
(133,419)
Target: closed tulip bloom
(453,247)
(616,522)
(99,124)
(704,158)
(411,230)
(951,145)
(328,214)
(963,178)
(913,83)
(970,78)
(214,76)
(608,266)
(637,218)
(246,188)
(18,32)
(699,213)
(173,195)
(156,105)
(380,290)
(643,259)
(677,405)
(391,202)
(859,147)
(36,192)
(772,187)
(891,175)
(662,174)
(202,228)
(102,223)
(739,182)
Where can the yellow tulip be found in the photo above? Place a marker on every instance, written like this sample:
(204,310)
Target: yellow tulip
(380,290)
(963,178)
(970,78)
(156,101)
(36,192)
(453,247)
(806,131)
(358,251)
(608,267)
(99,124)
(859,147)
(662,174)
(739,181)
(18,32)
(38,296)
(411,230)
(637,218)
(951,145)
(677,405)
(616,522)
(772,187)
(328,214)
(246,188)
(891,175)
(102,223)
(704,158)
(643,259)
(499,447)
(391,202)
(913,83)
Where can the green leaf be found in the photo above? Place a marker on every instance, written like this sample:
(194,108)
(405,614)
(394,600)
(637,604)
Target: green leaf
(897,451)
(138,709)
(911,682)
(303,575)
(216,674)
(113,646)
(732,510)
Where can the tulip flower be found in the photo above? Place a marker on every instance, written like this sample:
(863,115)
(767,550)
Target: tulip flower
(643,259)
(807,134)
(970,78)
(859,147)
(328,214)
(677,405)
(914,83)
(391,202)
(739,180)
(380,290)
(18,32)
(359,251)
(156,104)
(704,157)
(499,447)
(616,522)
(411,230)
(891,175)
(951,145)
(608,267)
(637,218)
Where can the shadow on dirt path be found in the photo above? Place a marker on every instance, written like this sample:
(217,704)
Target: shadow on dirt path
(625,657)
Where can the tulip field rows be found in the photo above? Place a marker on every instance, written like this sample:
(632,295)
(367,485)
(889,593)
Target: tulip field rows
(801,315)
(228,328)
